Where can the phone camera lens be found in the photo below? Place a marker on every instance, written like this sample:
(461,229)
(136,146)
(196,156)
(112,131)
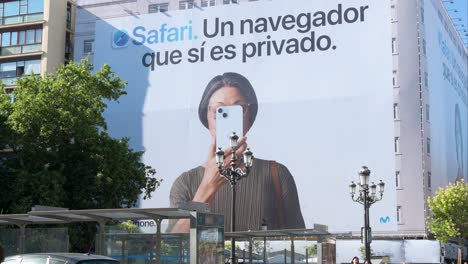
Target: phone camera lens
(225,115)
(220,110)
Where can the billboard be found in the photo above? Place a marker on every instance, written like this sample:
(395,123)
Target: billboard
(447,86)
(314,80)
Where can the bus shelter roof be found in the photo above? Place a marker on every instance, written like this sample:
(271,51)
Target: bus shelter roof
(316,231)
(92,215)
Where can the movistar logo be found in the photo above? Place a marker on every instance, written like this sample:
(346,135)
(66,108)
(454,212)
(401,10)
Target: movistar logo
(384,220)
(120,39)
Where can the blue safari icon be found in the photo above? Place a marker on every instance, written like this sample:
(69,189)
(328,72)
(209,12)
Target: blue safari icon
(120,39)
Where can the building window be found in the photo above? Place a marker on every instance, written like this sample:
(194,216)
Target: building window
(11,70)
(158,8)
(427,112)
(68,47)
(32,66)
(397,145)
(397,179)
(394,46)
(20,42)
(227,2)
(8,70)
(399,215)
(11,8)
(6,39)
(21,8)
(424,47)
(185,4)
(396,111)
(429,180)
(88,46)
(206,3)
(393,12)
(31,36)
(422,15)
(426,79)
(428,145)
(69,15)
(395,79)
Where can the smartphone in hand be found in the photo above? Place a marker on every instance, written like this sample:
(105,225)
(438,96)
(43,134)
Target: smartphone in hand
(228,119)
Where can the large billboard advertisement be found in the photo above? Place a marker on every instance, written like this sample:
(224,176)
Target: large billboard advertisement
(447,86)
(313,80)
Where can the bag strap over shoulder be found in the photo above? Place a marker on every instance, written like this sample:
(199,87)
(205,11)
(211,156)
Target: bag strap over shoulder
(278,192)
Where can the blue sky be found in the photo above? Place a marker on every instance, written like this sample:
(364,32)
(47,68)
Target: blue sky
(460,16)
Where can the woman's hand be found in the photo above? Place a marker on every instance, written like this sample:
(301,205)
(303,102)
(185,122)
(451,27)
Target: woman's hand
(212,180)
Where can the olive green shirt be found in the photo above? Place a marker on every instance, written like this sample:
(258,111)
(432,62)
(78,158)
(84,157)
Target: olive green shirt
(256,198)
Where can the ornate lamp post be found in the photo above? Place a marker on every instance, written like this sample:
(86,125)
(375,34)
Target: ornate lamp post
(367,197)
(233,174)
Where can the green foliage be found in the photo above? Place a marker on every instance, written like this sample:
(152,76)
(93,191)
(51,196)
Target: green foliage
(227,245)
(450,213)
(257,246)
(46,240)
(63,155)
(129,227)
(312,250)
(362,251)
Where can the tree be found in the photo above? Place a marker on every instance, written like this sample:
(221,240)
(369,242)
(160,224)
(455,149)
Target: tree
(227,245)
(63,155)
(312,250)
(362,251)
(450,214)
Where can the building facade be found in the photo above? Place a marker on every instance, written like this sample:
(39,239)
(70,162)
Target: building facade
(36,37)
(428,82)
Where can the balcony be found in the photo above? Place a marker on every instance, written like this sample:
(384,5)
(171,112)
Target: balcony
(21,19)
(21,49)
(11,81)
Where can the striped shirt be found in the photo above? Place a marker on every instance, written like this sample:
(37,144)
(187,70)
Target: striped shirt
(256,198)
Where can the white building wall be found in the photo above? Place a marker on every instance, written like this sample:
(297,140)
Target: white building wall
(410,194)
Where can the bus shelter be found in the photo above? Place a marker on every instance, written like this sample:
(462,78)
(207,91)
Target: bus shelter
(322,241)
(205,240)
(203,244)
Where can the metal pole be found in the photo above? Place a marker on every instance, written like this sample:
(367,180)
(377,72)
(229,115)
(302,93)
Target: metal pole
(293,253)
(250,251)
(264,250)
(366,222)
(22,238)
(181,253)
(102,228)
(233,224)
(158,240)
(307,256)
(122,250)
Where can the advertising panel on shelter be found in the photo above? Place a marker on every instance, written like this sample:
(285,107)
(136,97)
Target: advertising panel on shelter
(313,80)
(447,108)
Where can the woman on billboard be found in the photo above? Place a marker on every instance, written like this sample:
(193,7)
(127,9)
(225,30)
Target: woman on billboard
(269,192)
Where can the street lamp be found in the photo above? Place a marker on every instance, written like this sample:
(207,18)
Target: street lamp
(367,196)
(233,174)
